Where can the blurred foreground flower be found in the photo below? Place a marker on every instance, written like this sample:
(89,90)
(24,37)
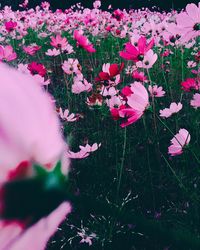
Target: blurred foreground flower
(32,198)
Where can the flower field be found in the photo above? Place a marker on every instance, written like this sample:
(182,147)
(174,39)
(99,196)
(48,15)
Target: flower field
(99,124)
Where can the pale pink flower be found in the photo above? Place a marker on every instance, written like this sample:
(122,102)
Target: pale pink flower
(7,53)
(14,236)
(156,91)
(52,52)
(84,152)
(191,64)
(88,149)
(180,140)
(78,155)
(97,4)
(35,134)
(148,61)
(81,85)
(174,108)
(24,4)
(71,66)
(189,22)
(66,116)
(195,102)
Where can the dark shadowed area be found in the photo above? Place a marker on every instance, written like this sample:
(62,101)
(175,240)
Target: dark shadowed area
(63,4)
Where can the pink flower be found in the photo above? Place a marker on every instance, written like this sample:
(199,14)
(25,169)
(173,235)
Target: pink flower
(136,53)
(137,102)
(174,108)
(156,91)
(118,14)
(31,49)
(109,71)
(139,76)
(84,152)
(196,101)
(189,22)
(34,135)
(59,42)
(24,4)
(71,66)
(14,236)
(97,4)
(81,85)
(179,141)
(89,149)
(83,41)
(7,53)
(31,137)
(52,52)
(37,68)
(148,61)
(66,116)
(189,84)
(10,26)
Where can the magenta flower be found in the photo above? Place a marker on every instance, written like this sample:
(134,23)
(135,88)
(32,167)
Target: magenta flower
(7,53)
(136,53)
(190,84)
(156,91)
(174,108)
(195,102)
(189,22)
(37,68)
(83,41)
(10,26)
(180,140)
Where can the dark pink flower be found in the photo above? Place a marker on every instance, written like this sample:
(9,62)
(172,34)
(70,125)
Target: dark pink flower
(134,53)
(83,41)
(37,68)
(190,84)
(10,26)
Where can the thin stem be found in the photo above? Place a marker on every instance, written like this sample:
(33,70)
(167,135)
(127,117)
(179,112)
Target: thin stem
(122,162)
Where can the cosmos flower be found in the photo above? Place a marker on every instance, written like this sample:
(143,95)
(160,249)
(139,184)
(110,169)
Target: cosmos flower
(31,49)
(10,26)
(174,108)
(7,53)
(189,22)
(83,41)
(195,102)
(156,91)
(137,102)
(136,53)
(59,42)
(180,140)
(33,137)
(37,68)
